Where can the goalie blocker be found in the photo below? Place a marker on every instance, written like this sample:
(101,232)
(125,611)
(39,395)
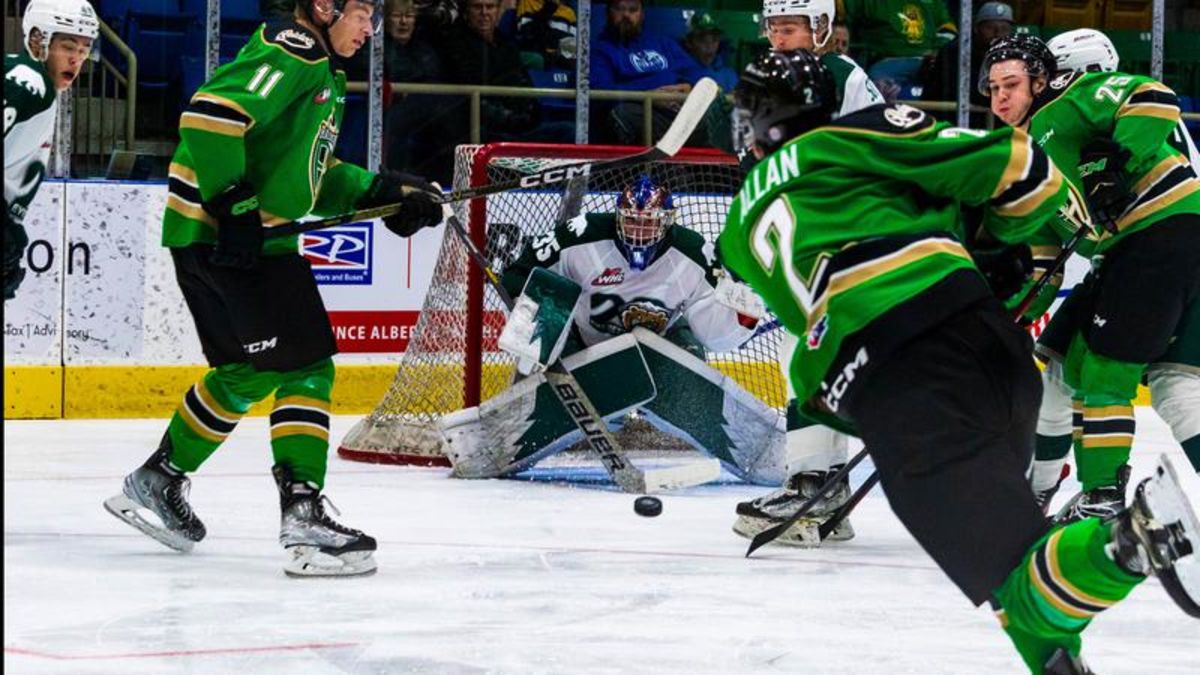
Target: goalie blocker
(678,393)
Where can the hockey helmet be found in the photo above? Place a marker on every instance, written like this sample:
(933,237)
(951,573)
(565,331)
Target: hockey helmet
(784,94)
(1039,61)
(645,211)
(820,15)
(339,6)
(1084,49)
(54,17)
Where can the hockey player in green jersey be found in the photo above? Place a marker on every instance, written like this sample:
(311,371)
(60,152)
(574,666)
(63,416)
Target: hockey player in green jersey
(256,150)
(905,345)
(58,38)
(1174,379)
(813,450)
(1109,132)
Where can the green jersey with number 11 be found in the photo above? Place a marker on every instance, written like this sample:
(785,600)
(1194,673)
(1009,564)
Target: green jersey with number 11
(271,118)
(852,232)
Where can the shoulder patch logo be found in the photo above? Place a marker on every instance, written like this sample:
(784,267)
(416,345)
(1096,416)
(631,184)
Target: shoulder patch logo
(322,96)
(903,116)
(609,277)
(294,38)
(29,79)
(1062,80)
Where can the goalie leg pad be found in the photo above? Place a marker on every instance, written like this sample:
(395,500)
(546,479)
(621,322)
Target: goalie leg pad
(713,413)
(526,423)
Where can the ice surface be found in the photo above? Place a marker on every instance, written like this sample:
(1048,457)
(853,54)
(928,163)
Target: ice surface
(490,576)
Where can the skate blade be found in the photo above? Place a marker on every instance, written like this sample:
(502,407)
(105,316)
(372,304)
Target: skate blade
(129,511)
(1169,505)
(802,533)
(309,562)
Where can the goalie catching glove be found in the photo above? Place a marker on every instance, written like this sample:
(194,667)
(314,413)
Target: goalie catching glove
(742,299)
(417,197)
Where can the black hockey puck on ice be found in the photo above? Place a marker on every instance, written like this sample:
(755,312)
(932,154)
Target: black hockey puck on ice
(647,506)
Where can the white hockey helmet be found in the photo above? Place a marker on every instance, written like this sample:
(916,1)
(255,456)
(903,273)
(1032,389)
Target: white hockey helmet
(52,17)
(1084,49)
(818,12)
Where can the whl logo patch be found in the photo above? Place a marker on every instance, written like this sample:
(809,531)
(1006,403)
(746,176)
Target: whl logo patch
(339,255)
(609,277)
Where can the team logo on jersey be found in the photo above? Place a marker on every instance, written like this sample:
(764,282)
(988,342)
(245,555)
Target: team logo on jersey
(817,333)
(339,255)
(1062,80)
(28,79)
(903,116)
(322,96)
(609,277)
(322,151)
(294,38)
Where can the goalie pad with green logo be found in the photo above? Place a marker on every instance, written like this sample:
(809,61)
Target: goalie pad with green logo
(525,423)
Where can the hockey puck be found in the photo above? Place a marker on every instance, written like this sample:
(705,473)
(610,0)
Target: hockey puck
(647,506)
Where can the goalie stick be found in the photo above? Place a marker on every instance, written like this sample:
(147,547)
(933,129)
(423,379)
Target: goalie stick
(690,114)
(767,536)
(583,412)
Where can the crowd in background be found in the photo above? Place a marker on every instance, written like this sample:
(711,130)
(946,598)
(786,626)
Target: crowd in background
(909,48)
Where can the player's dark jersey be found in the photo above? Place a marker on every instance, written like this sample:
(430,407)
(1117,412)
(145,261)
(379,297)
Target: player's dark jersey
(270,117)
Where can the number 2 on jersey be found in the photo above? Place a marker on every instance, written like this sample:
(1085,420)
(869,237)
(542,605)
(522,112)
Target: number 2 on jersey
(778,218)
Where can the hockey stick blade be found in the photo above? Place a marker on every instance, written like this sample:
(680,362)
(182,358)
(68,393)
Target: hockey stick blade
(771,534)
(690,114)
(681,476)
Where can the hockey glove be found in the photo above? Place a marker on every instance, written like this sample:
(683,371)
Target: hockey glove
(1105,183)
(15,241)
(239,227)
(1006,268)
(1040,305)
(417,197)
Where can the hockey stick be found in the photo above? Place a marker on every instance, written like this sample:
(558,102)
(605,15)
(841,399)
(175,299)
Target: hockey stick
(767,536)
(584,414)
(690,114)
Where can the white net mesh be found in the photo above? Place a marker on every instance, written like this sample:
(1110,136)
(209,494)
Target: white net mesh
(452,360)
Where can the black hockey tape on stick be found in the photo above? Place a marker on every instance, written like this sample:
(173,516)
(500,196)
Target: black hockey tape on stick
(767,536)
(581,409)
(691,113)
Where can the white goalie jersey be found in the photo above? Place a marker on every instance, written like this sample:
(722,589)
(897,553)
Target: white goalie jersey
(677,287)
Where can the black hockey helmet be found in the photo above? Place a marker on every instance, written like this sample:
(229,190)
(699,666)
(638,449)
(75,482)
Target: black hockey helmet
(1039,60)
(783,94)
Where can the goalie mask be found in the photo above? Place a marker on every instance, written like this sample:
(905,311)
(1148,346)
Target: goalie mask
(1084,49)
(784,94)
(58,17)
(645,211)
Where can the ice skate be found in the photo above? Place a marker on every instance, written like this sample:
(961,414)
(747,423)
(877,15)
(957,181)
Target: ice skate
(776,507)
(1062,663)
(162,489)
(1045,496)
(1102,502)
(1159,534)
(317,545)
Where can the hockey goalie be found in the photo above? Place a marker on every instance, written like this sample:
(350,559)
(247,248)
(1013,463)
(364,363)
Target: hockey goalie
(630,301)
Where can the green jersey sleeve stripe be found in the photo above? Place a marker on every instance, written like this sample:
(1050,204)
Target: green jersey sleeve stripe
(236,110)
(1041,181)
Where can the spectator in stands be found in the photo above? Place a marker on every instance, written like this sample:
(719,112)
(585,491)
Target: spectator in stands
(547,28)
(993,20)
(627,57)
(435,16)
(898,39)
(413,127)
(841,38)
(474,52)
(703,42)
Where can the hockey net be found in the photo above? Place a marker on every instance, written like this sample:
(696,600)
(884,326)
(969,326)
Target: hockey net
(452,360)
